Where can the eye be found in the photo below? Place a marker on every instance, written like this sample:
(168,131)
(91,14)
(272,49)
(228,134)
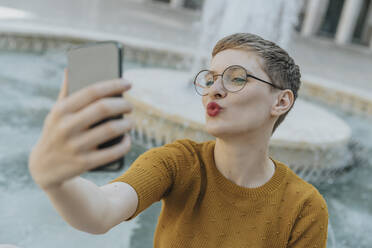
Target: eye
(209,83)
(238,80)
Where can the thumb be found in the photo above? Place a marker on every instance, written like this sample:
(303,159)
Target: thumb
(64,88)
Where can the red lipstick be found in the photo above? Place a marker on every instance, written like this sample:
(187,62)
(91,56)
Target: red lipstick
(213,109)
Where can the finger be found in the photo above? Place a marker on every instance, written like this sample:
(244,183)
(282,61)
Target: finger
(87,95)
(102,133)
(64,88)
(100,110)
(103,156)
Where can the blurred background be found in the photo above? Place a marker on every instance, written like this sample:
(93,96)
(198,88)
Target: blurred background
(326,139)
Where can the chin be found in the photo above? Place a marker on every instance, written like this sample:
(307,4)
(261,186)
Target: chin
(228,130)
(220,132)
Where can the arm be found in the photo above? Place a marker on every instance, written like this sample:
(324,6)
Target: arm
(154,173)
(67,148)
(96,210)
(311,225)
(93,209)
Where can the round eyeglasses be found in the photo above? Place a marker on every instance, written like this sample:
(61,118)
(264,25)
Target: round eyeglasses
(234,78)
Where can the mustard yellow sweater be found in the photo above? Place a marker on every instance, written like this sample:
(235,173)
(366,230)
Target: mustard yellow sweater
(201,208)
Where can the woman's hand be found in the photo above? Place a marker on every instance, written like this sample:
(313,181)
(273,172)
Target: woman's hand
(66,147)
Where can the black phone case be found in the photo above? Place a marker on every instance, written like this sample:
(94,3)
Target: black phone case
(119,163)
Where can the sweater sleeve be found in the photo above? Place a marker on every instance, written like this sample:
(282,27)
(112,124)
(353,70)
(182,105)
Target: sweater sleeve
(153,173)
(311,226)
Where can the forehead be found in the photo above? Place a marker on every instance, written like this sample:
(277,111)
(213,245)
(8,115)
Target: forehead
(248,59)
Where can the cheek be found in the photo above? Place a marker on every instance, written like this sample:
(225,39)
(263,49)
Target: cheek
(249,100)
(253,106)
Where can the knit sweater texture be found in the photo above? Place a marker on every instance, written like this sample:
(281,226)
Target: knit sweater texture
(202,208)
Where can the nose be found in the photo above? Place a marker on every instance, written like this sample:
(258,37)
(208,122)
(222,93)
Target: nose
(217,90)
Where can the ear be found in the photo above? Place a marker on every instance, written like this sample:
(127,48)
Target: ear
(282,103)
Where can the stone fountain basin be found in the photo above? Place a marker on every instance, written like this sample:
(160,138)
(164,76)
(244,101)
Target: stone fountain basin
(310,140)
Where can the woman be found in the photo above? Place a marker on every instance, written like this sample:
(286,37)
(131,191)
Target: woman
(222,193)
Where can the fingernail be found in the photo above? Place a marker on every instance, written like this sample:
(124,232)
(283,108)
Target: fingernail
(124,82)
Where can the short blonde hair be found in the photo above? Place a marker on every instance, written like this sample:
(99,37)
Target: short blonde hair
(278,65)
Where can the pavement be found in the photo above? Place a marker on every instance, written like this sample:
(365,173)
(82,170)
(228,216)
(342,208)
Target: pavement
(155,24)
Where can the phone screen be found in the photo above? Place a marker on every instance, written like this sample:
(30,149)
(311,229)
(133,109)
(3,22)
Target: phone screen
(92,63)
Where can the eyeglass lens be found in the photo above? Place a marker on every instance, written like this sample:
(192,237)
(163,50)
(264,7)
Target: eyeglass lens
(233,79)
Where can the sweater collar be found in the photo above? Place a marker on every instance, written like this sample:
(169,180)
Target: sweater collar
(225,184)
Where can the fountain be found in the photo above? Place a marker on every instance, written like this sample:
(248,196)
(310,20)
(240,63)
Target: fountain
(221,18)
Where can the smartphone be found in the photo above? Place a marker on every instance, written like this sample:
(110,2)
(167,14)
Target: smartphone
(91,63)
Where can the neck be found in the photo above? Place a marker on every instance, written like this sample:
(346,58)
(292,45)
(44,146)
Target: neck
(244,161)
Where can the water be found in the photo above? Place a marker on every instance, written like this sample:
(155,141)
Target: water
(273,20)
(29,84)
(349,196)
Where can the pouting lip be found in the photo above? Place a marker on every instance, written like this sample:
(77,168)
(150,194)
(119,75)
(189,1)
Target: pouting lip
(213,105)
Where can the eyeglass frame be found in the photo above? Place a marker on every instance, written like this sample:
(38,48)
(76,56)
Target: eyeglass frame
(223,85)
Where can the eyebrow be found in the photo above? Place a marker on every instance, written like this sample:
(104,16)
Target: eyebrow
(248,71)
